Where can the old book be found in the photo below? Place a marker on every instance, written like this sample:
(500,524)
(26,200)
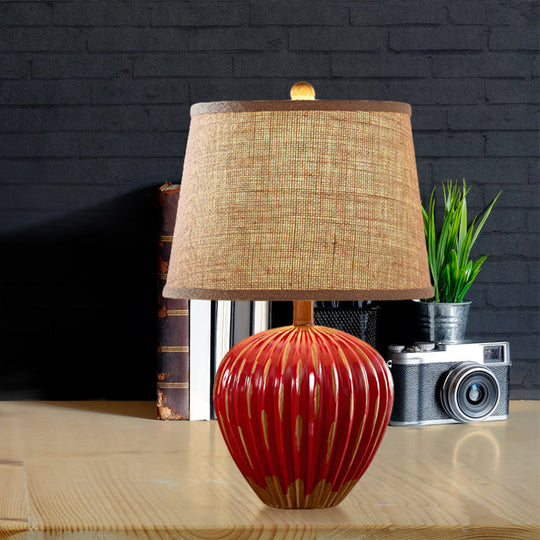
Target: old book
(173,323)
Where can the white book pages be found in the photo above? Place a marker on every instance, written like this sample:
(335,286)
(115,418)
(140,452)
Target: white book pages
(261,316)
(223,330)
(200,335)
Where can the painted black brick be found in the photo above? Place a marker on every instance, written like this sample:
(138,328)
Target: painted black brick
(42,39)
(527,39)
(14,67)
(388,66)
(516,13)
(197,13)
(523,143)
(132,145)
(240,88)
(441,144)
(104,13)
(505,91)
(513,322)
(183,65)
(512,296)
(533,226)
(37,145)
(94,114)
(144,40)
(237,39)
(534,269)
(428,117)
(536,66)
(25,13)
(46,198)
(49,93)
(521,376)
(115,13)
(492,66)
(144,90)
(342,88)
(304,66)
(437,92)
(507,220)
(398,13)
(132,171)
(494,117)
(517,195)
(99,66)
(495,170)
(438,39)
(511,246)
(337,39)
(503,271)
(296,14)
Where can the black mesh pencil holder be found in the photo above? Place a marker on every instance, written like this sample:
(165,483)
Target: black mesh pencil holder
(360,321)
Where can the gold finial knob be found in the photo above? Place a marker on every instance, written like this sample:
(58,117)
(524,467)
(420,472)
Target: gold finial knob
(302,90)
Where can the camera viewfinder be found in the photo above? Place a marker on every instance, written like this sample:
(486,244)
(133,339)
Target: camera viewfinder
(493,353)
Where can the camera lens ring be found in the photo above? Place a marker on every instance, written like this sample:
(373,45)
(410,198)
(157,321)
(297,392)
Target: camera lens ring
(470,392)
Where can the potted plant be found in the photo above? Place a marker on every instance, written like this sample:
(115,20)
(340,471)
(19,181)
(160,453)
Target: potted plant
(444,317)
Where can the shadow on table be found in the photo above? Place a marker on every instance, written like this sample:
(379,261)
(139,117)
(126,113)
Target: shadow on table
(136,409)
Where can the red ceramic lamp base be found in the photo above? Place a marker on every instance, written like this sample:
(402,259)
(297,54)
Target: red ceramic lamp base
(303,410)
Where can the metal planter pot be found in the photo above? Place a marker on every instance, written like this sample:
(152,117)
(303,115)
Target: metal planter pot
(442,322)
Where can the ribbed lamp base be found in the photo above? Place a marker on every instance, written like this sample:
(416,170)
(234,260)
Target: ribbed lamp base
(303,410)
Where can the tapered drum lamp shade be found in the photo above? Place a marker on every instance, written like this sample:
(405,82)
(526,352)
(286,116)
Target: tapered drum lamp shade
(300,200)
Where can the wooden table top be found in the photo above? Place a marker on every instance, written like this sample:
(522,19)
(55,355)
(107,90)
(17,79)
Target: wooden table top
(104,470)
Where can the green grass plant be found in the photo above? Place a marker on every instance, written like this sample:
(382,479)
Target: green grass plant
(449,250)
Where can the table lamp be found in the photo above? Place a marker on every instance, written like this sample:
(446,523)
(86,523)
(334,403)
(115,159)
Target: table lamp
(300,200)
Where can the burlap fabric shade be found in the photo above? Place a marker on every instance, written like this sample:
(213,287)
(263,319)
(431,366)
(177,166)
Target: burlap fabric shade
(299,200)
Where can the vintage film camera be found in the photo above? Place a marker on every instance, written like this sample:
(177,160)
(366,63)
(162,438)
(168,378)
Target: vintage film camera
(440,383)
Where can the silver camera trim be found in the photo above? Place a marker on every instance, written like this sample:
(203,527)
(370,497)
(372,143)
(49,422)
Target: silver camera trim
(469,352)
(441,422)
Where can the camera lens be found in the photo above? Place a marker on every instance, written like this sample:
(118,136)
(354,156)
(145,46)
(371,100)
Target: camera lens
(475,393)
(470,392)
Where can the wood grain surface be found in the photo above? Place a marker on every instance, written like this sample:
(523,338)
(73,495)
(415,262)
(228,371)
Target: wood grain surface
(109,470)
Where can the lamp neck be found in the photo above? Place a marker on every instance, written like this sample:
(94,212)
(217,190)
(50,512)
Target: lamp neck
(303,313)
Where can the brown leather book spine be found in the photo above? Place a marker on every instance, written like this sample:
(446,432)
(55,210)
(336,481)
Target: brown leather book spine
(173,324)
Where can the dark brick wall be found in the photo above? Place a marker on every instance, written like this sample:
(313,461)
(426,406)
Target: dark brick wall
(94,113)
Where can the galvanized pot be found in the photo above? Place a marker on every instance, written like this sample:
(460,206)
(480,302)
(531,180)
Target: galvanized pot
(442,322)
